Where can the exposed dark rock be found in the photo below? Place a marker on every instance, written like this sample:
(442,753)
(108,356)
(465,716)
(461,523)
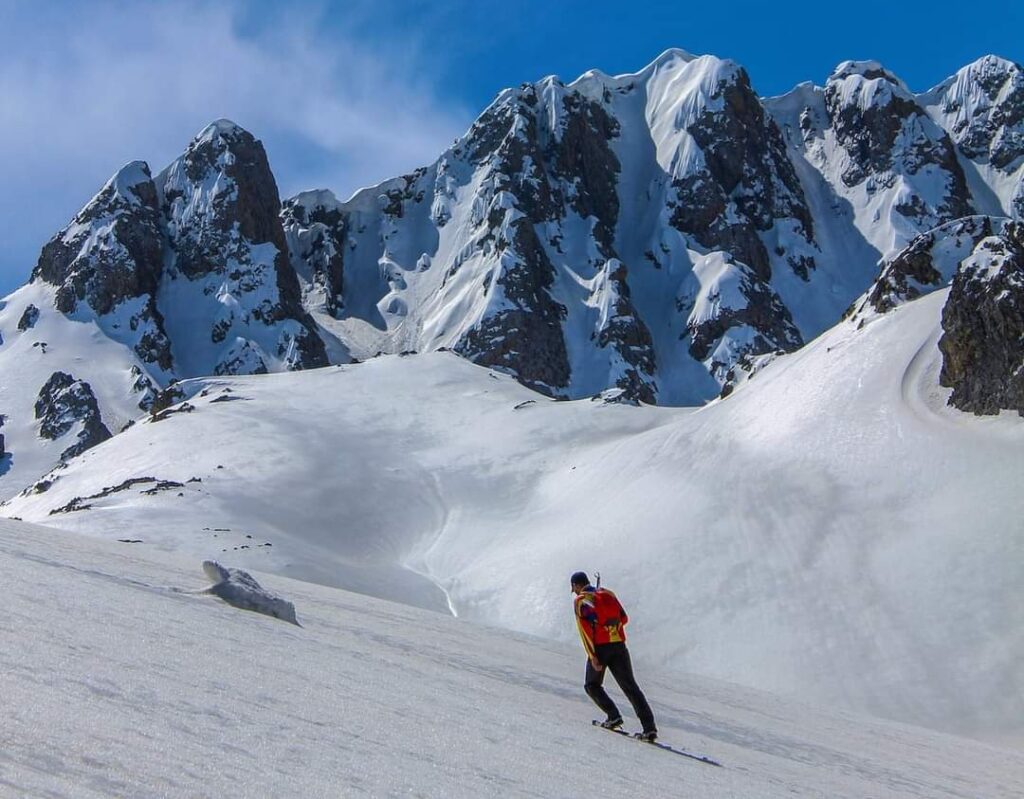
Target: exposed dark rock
(407,191)
(983,327)
(165,399)
(144,387)
(79,503)
(185,407)
(926,264)
(243,358)
(763,312)
(746,172)
(626,333)
(524,337)
(316,236)
(233,221)
(868,122)
(994,130)
(113,252)
(163,485)
(28,318)
(87,261)
(584,158)
(64,402)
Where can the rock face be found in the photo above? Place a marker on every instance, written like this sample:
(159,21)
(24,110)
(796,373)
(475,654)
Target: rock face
(154,261)
(982,107)
(983,327)
(229,269)
(28,318)
(110,257)
(315,229)
(62,404)
(880,160)
(928,263)
(746,184)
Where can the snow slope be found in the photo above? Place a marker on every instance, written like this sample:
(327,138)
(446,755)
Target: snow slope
(118,679)
(77,344)
(831,530)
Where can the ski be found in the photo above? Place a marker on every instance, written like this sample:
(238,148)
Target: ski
(660,745)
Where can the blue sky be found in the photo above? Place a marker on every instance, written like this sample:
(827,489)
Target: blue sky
(349,93)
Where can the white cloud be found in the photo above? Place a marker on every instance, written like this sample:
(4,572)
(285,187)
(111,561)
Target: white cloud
(89,88)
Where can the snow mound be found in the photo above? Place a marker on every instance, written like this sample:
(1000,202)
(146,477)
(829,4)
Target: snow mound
(239,588)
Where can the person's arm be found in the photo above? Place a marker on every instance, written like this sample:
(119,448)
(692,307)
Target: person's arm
(622,612)
(586,619)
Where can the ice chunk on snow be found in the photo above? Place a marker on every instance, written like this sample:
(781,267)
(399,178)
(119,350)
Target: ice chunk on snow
(239,588)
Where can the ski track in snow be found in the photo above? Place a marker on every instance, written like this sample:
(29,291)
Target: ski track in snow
(113,686)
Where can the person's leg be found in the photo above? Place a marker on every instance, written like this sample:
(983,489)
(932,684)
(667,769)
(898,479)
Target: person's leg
(596,691)
(622,670)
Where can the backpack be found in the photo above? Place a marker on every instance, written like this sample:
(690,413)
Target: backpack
(610,617)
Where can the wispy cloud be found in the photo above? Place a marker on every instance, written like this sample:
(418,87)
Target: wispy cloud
(85,88)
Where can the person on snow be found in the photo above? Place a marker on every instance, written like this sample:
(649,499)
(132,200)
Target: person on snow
(601,619)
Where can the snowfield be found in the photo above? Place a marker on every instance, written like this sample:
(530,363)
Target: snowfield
(119,678)
(831,531)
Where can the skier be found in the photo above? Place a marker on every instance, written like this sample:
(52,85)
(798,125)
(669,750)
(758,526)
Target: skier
(600,619)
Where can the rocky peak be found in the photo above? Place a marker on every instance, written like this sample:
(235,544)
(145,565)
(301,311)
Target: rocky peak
(219,193)
(868,72)
(111,250)
(982,107)
(230,259)
(890,142)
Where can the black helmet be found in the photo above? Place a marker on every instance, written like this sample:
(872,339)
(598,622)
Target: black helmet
(579,578)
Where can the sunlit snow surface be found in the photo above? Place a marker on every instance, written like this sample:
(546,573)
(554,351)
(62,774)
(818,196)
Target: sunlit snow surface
(831,531)
(118,680)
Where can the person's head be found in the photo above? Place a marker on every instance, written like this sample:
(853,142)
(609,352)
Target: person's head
(579,581)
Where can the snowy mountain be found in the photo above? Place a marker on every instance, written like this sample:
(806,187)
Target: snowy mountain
(154,280)
(120,678)
(655,236)
(832,281)
(832,530)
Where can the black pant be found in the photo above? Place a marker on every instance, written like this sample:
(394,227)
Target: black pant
(615,658)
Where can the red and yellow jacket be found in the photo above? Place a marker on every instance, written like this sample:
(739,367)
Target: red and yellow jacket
(600,617)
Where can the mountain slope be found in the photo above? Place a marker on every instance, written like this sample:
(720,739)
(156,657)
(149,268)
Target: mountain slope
(185,695)
(654,237)
(831,530)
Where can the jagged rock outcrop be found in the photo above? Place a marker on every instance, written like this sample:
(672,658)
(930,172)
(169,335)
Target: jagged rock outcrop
(621,330)
(983,327)
(732,295)
(315,230)
(65,402)
(109,260)
(891,142)
(982,107)
(156,260)
(28,318)
(745,185)
(926,264)
(230,262)
(112,250)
